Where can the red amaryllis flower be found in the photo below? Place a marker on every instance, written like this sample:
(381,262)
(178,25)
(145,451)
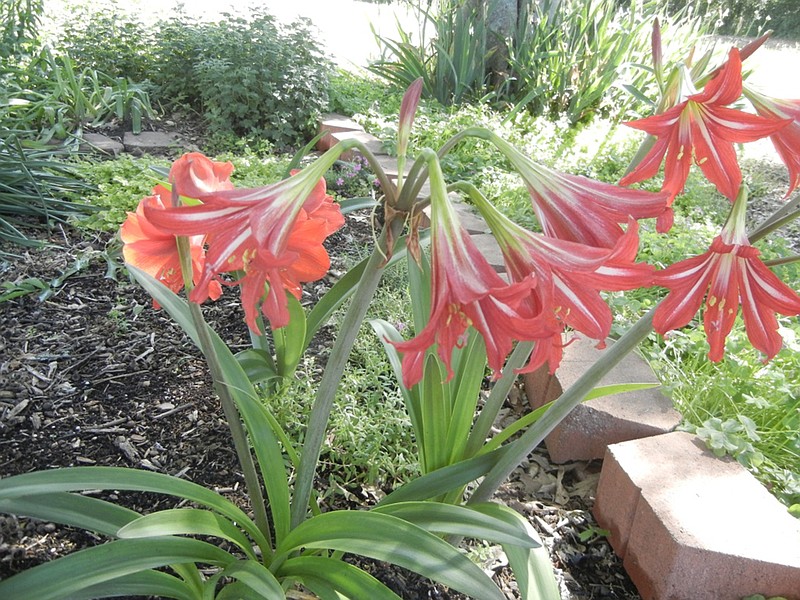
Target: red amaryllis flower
(156,252)
(787,139)
(466,291)
(570,277)
(704,128)
(273,234)
(196,176)
(581,210)
(728,274)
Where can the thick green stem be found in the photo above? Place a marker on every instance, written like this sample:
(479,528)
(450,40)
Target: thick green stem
(326,394)
(561,407)
(238,433)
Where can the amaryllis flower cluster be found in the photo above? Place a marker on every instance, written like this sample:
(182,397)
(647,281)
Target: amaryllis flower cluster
(704,128)
(270,238)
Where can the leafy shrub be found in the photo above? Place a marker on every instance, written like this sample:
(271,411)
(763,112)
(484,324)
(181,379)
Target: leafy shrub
(108,39)
(249,77)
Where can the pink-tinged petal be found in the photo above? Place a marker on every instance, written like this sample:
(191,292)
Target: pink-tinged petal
(570,276)
(726,86)
(787,139)
(467,292)
(730,273)
(408,108)
(154,251)
(722,304)
(265,232)
(578,209)
(195,176)
(702,129)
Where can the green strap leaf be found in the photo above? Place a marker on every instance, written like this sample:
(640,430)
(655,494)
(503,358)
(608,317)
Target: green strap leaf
(102,564)
(349,205)
(290,340)
(445,479)
(342,577)
(186,521)
(532,568)
(396,541)
(258,365)
(257,577)
(469,521)
(77,479)
(268,451)
(72,509)
(145,583)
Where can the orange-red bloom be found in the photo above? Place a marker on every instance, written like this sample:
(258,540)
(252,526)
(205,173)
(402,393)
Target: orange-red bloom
(156,252)
(273,234)
(787,139)
(570,277)
(196,176)
(466,291)
(704,128)
(728,274)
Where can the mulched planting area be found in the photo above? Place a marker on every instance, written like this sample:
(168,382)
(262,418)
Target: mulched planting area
(93,375)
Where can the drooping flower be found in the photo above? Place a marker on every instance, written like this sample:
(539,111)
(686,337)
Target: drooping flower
(156,252)
(728,274)
(466,291)
(787,139)
(273,234)
(570,277)
(702,128)
(197,176)
(581,210)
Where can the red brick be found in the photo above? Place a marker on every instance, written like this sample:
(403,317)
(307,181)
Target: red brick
(692,526)
(333,123)
(593,425)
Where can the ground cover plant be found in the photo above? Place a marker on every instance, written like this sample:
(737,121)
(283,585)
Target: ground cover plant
(199,231)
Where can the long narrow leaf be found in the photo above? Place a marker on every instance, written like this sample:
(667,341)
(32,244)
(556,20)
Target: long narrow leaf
(102,564)
(77,479)
(268,451)
(72,509)
(445,479)
(256,577)
(393,540)
(338,575)
(144,583)
(469,521)
(531,566)
(186,521)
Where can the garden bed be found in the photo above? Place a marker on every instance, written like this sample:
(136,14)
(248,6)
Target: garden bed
(92,375)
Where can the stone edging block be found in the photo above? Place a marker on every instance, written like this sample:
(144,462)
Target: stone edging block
(692,526)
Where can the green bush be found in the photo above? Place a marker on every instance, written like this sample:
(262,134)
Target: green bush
(19,26)
(108,39)
(246,77)
(253,78)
